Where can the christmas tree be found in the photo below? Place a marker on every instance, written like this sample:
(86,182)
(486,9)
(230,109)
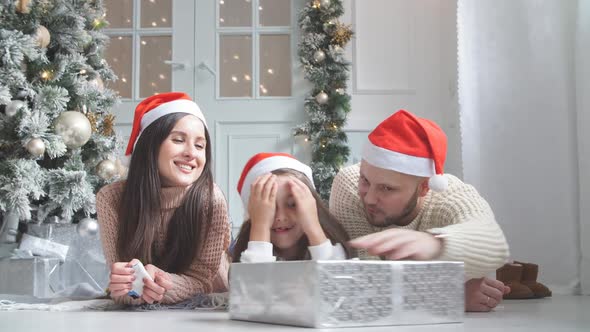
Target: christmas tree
(322,55)
(57,143)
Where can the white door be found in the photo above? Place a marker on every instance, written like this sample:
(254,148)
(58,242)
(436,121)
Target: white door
(248,84)
(151,50)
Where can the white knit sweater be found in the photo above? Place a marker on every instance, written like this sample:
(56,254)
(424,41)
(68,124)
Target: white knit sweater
(473,237)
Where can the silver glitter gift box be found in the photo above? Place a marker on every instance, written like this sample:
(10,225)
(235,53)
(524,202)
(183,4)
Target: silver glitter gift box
(326,294)
(28,276)
(69,265)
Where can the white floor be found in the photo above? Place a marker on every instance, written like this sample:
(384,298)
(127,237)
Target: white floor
(560,313)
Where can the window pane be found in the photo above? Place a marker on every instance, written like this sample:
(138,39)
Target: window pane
(154,74)
(275,65)
(235,61)
(235,13)
(119,56)
(119,13)
(275,12)
(156,13)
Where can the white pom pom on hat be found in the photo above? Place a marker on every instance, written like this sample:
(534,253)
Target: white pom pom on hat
(411,145)
(438,183)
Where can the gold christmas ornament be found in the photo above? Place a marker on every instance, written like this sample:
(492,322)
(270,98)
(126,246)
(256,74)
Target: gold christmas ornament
(43,37)
(316,4)
(107,125)
(92,119)
(106,169)
(321,98)
(23,6)
(36,147)
(74,128)
(342,34)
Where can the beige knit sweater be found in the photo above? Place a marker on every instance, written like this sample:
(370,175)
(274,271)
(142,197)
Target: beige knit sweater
(473,237)
(208,273)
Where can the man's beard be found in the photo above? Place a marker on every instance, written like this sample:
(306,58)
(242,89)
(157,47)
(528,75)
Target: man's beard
(399,220)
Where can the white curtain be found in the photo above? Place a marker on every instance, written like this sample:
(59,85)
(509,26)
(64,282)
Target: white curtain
(583,119)
(519,95)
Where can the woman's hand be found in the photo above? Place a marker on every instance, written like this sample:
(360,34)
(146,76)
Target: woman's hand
(153,291)
(262,206)
(305,212)
(122,275)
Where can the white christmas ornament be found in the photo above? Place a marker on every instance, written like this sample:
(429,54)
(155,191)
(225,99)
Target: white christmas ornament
(36,147)
(319,56)
(82,109)
(86,38)
(98,83)
(52,220)
(325,3)
(87,227)
(107,169)
(13,107)
(121,168)
(321,98)
(43,37)
(74,128)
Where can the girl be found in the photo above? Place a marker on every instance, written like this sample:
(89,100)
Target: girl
(168,213)
(288,220)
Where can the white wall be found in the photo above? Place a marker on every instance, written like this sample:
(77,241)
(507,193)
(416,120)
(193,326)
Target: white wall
(404,57)
(517,93)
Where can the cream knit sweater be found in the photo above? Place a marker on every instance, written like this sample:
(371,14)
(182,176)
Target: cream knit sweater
(208,273)
(473,237)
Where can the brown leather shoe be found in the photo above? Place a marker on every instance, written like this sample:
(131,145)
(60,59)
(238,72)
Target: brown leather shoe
(510,275)
(530,272)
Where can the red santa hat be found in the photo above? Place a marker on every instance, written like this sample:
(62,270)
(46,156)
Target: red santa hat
(411,145)
(155,107)
(263,163)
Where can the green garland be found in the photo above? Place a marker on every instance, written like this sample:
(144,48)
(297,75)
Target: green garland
(321,53)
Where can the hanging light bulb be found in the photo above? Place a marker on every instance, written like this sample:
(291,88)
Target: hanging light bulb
(46,75)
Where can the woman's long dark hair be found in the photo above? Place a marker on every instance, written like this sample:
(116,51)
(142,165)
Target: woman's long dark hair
(139,212)
(332,228)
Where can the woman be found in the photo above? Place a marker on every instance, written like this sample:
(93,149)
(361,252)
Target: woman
(168,213)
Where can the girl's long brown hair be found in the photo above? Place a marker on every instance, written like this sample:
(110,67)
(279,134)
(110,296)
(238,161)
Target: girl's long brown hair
(139,211)
(330,225)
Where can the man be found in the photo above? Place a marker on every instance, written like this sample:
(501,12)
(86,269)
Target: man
(397,204)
